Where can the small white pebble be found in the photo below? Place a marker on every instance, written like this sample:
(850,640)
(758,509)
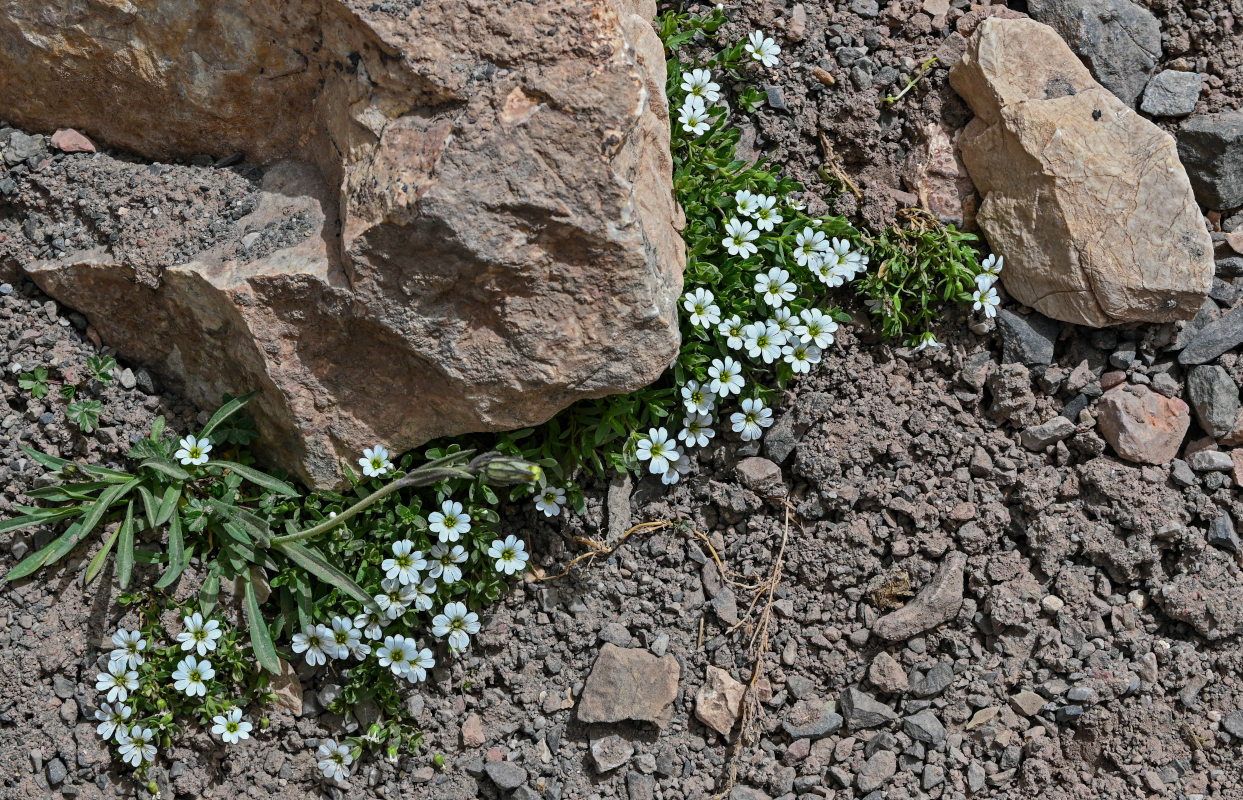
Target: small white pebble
(1137,599)
(1052,603)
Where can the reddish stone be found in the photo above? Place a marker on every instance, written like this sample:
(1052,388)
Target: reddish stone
(1141,425)
(67,140)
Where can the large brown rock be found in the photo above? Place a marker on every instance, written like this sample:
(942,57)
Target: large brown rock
(491,195)
(630,684)
(1141,425)
(1086,200)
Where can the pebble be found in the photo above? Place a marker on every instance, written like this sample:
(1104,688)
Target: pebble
(1027,339)
(1215,397)
(56,772)
(860,710)
(811,720)
(507,775)
(610,752)
(937,603)
(1221,534)
(1232,723)
(1171,94)
(887,674)
(1214,338)
(925,727)
(1027,703)
(1038,437)
(936,681)
(1210,461)
(876,771)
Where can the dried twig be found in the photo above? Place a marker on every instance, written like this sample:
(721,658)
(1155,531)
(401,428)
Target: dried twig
(831,168)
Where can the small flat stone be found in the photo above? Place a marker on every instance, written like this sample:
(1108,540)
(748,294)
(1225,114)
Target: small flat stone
(506,775)
(860,710)
(1171,93)
(936,680)
(1027,339)
(1211,148)
(983,717)
(472,731)
(1233,724)
(1038,437)
(56,772)
(630,684)
(1221,534)
(1027,703)
(719,701)
(67,140)
(1215,397)
(610,752)
(937,603)
(1215,338)
(1141,425)
(876,771)
(811,719)
(1210,461)
(887,674)
(760,475)
(925,727)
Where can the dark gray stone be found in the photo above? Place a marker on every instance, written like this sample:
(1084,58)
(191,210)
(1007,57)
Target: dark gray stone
(925,727)
(1221,534)
(1181,473)
(1214,338)
(811,721)
(56,772)
(1215,398)
(1211,149)
(1233,723)
(865,8)
(63,687)
(1210,461)
(776,100)
(1171,93)
(861,710)
(1071,410)
(1026,339)
(1228,267)
(876,771)
(1118,40)
(1068,713)
(1038,437)
(640,786)
(505,774)
(937,680)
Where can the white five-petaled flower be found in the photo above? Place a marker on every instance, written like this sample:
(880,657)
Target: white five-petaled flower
(396,653)
(809,248)
(317,643)
(694,116)
(510,554)
(785,321)
(345,637)
(726,377)
(449,523)
(199,635)
(118,682)
(335,760)
(740,238)
(926,341)
(193,451)
(816,328)
(731,329)
(747,202)
(375,461)
(445,562)
(766,215)
(136,746)
(419,665)
(458,624)
(422,599)
(395,598)
(696,430)
(406,563)
(704,312)
(112,719)
(752,419)
(230,726)
(763,49)
(987,301)
(801,356)
(698,83)
(657,450)
(697,398)
(372,623)
(129,647)
(191,676)
(676,470)
(763,340)
(984,281)
(550,499)
(992,265)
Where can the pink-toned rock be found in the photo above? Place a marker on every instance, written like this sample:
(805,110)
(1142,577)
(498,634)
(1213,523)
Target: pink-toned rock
(630,684)
(937,176)
(67,140)
(719,701)
(1237,473)
(1141,425)
(472,731)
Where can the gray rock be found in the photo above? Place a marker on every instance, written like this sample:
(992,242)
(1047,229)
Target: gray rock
(329,692)
(63,687)
(860,710)
(933,776)
(640,786)
(506,774)
(56,772)
(975,777)
(525,792)
(1210,461)
(1038,437)
(610,752)
(1228,266)
(1026,339)
(1214,338)
(1221,534)
(1215,398)
(876,771)
(937,603)
(811,720)
(925,727)
(1118,40)
(21,147)
(937,680)
(1068,713)
(1233,723)
(1181,473)
(740,792)
(1171,93)
(781,439)
(1211,148)
(761,476)
(865,8)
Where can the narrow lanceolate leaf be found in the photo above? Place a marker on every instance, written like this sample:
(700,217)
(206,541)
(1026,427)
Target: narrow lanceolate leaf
(168,504)
(260,638)
(36,559)
(302,590)
(51,462)
(41,516)
(125,548)
(149,507)
(257,478)
(314,562)
(255,528)
(68,492)
(97,563)
(227,410)
(210,592)
(176,553)
(76,532)
(167,468)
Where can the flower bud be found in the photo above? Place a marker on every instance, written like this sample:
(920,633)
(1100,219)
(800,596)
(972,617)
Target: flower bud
(503,470)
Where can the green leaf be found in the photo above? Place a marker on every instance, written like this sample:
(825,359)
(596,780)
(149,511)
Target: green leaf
(42,516)
(168,505)
(149,507)
(51,462)
(177,555)
(157,429)
(167,468)
(210,593)
(258,478)
(260,638)
(76,532)
(252,527)
(227,410)
(125,548)
(85,413)
(69,492)
(97,563)
(314,562)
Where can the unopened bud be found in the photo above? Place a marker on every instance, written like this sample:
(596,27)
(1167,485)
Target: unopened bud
(503,470)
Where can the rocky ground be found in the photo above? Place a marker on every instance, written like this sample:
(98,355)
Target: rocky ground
(976,595)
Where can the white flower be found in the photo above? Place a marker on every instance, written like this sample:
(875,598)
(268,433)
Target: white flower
(372,623)
(334,760)
(816,328)
(763,49)
(698,83)
(740,238)
(449,522)
(550,500)
(726,377)
(130,645)
(694,116)
(731,329)
(795,204)
(136,745)
(396,653)
(928,340)
(808,247)
(191,676)
(112,720)
(395,598)
(704,312)
(747,202)
(992,265)
(801,356)
(345,637)
(445,562)
(763,340)
(231,727)
(193,451)
(987,301)
(984,281)
(676,470)
(511,555)
(118,682)
(766,216)
(317,643)
(696,430)
(423,595)
(752,420)
(776,287)
(405,564)
(827,272)
(457,623)
(785,321)
(657,450)
(419,665)
(696,397)
(375,461)
(199,634)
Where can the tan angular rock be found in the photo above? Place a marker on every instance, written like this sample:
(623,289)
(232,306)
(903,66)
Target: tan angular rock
(490,194)
(719,701)
(288,689)
(1141,425)
(1086,200)
(630,683)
